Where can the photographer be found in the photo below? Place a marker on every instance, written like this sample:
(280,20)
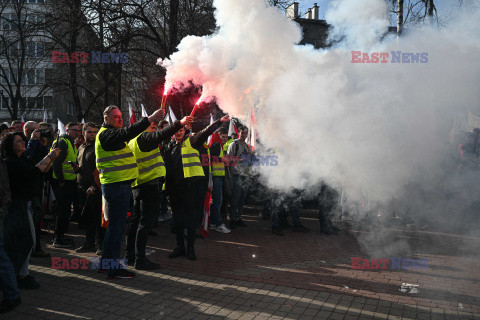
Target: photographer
(36,152)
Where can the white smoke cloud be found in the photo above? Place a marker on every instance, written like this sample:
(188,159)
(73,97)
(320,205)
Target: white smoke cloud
(371,129)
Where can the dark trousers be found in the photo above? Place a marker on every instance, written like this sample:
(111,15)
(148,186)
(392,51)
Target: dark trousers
(200,202)
(8,281)
(182,195)
(118,197)
(37,219)
(64,195)
(91,216)
(145,203)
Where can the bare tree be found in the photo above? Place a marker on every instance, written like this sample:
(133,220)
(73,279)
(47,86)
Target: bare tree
(412,12)
(22,74)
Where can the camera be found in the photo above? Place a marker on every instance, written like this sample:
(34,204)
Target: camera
(46,134)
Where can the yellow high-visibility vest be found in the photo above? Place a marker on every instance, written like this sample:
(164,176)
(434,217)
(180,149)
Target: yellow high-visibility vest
(226,145)
(192,167)
(150,164)
(115,166)
(72,152)
(218,167)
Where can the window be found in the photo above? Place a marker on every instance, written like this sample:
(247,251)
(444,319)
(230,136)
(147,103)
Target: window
(31,49)
(30,76)
(5,22)
(40,50)
(70,108)
(4,76)
(4,102)
(40,21)
(39,103)
(23,103)
(47,102)
(13,76)
(30,103)
(40,76)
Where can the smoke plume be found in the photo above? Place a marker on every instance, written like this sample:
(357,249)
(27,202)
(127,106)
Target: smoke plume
(377,131)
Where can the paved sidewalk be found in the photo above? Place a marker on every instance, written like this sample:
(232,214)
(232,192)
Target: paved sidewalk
(254,274)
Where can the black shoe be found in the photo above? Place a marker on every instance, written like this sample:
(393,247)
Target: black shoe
(40,254)
(177,252)
(152,233)
(121,274)
(9,304)
(240,223)
(300,228)
(86,248)
(232,225)
(61,243)
(277,231)
(146,265)
(191,253)
(27,282)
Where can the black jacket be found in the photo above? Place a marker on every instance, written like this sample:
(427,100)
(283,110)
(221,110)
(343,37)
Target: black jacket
(114,139)
(172,154)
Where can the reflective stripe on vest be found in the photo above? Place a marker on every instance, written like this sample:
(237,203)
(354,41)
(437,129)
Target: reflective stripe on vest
(218,167)
(150,164)
(192,167)
(72,152)
(115,166)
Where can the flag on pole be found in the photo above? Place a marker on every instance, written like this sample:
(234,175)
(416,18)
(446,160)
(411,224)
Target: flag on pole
(204,230)
(45,116)
(232,128)
(144,112)
(23,122)
(253,128)
(172,115)
(61,128)
(131,113)
(210,137)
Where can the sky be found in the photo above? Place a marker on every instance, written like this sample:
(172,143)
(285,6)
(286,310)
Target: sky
(442,5)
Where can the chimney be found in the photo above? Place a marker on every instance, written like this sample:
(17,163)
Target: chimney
(315,12)
(308,14)
(292,11)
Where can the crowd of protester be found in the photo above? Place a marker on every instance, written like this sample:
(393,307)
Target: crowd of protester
(118,181)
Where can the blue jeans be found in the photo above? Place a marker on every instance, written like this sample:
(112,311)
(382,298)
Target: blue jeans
(239,195)
(217,193)
(118,197)
(8,280)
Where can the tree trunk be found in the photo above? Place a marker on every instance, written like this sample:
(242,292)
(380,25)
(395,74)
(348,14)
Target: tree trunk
(399,17)
(173,25)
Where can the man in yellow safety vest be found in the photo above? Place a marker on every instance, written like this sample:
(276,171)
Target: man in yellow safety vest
(64,182)
(117,168)
(146,189)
